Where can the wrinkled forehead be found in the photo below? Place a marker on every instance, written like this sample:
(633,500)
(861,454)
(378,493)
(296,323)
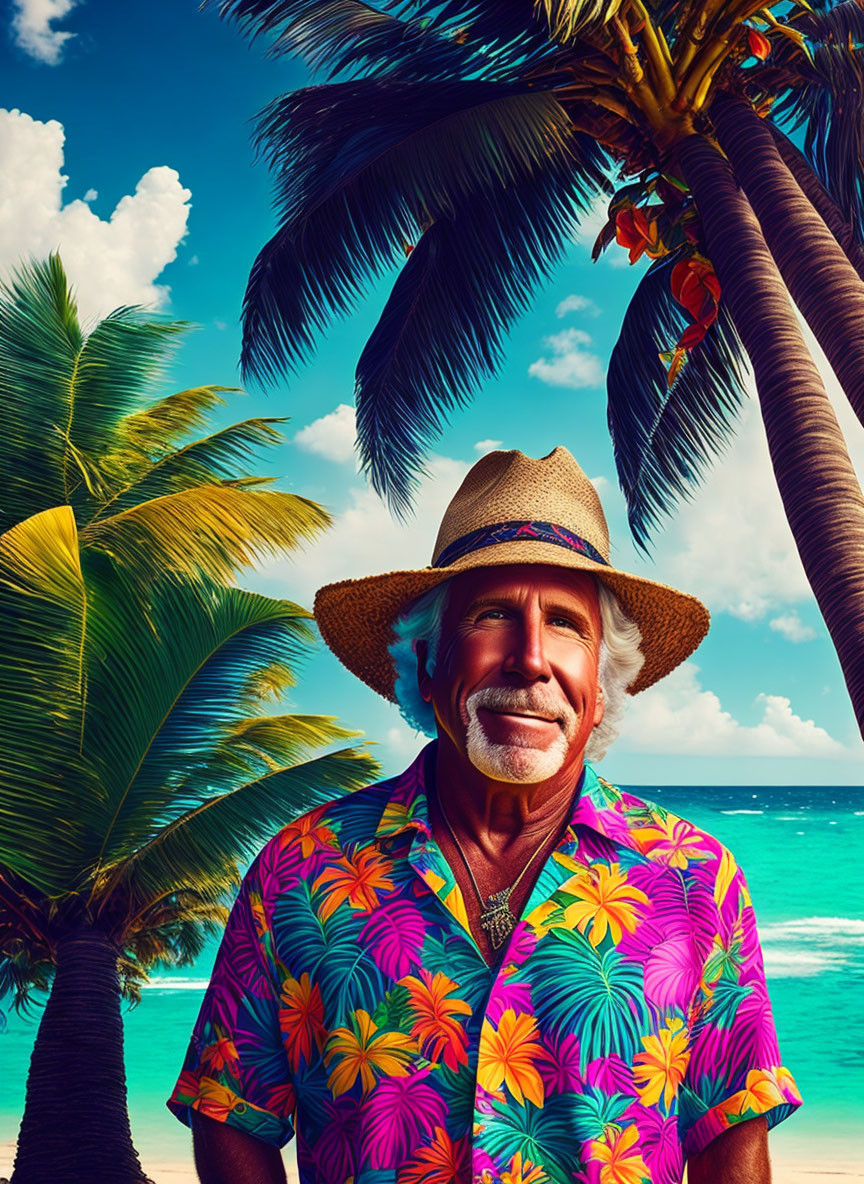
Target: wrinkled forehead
(521,584)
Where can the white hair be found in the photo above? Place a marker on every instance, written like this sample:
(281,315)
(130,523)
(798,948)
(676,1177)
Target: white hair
(620,661)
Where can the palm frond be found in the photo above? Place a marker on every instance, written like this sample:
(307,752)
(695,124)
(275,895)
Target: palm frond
(429,39)
(829,104)
(210,530)
(346,36)
(164,694)
(512,34)
(43,773)
(156,428)
(463,287)
(843,22)
(237,823)
(568,18)
(362,168)
(40,340)
(215,458)
(64,393)
(117,369)
(664,439)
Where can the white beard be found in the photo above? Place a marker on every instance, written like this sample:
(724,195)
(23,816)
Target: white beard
(523,761)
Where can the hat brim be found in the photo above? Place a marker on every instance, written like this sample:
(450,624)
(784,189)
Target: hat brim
(356,616)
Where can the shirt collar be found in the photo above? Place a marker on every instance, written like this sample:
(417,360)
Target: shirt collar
(599,805)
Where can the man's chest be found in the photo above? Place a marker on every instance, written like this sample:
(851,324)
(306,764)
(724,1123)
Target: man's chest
(405,1046)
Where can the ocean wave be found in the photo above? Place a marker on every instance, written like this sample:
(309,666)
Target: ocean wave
(788,963)
(821,930)
(176,984)
(742,811)
(807,946)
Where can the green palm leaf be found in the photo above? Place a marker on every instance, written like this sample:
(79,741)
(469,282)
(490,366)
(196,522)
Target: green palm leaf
(141,757)
(43,605)
(209,530)
(156,428)
(233,822)
(64,393)
(163,708)
(215,458)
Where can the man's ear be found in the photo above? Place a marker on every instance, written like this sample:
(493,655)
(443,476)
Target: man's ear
(599,706)
(424,678)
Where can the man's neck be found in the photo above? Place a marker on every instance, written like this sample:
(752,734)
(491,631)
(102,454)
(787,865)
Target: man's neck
(493,813)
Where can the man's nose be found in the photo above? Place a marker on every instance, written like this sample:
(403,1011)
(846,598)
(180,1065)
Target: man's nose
(527,654)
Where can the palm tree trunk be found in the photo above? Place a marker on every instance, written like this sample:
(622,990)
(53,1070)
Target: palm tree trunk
(821,200)
(75,1128)
(818,486)
(822,281)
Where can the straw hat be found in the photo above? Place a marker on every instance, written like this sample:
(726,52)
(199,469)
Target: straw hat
(510,509)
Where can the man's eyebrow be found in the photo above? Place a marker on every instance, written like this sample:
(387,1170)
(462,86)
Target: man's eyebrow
(503,601)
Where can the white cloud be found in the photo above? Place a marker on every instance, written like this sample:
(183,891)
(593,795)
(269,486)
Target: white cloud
(679,716)
(332,436)
(577,303)
(32,28)
(792,627)
(571,365)
(364,538)
(484,446)
(90,195)
(110,262)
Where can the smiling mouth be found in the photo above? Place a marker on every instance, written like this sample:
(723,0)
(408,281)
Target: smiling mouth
(547,719)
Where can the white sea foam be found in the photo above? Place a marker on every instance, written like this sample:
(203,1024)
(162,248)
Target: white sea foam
(176,984)
(806,946)
(789,963)
(820,930)
(742,811)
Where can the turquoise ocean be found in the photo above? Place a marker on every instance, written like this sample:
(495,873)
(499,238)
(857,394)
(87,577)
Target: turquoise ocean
(802,852)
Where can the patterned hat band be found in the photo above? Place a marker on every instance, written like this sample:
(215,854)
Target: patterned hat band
(508,532)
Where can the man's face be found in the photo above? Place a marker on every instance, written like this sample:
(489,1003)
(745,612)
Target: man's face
(515,682)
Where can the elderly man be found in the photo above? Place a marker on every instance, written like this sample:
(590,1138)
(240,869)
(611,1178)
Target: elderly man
(495,967)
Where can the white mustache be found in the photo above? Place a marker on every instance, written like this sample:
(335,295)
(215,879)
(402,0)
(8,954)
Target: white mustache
(525,701)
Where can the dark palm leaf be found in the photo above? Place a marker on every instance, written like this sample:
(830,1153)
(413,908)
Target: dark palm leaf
(429,39)
(340,36)
(464,285)
(511,33)
(362,167)
(664,439)
(829,104)
(832,22)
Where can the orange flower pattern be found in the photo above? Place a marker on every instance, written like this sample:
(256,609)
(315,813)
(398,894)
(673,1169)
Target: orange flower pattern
(349,1002)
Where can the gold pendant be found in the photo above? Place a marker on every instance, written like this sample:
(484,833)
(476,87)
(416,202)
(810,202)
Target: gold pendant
(497,919)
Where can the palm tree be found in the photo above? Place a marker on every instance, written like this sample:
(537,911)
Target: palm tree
(141,757)
(471,137)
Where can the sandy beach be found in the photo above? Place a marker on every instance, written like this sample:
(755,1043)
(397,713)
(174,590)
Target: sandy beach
(784,1171)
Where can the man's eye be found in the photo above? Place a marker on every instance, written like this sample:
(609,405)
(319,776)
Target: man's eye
(493,614)
(565,621)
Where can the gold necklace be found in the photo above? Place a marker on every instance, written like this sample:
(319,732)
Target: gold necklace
(496,916)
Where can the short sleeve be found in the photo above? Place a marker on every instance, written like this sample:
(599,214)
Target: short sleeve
(735,1071)
(236,1069)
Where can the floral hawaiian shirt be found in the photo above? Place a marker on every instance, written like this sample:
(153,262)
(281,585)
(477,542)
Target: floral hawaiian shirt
(627,1024)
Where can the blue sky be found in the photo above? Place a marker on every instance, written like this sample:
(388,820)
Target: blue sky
(145,110)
